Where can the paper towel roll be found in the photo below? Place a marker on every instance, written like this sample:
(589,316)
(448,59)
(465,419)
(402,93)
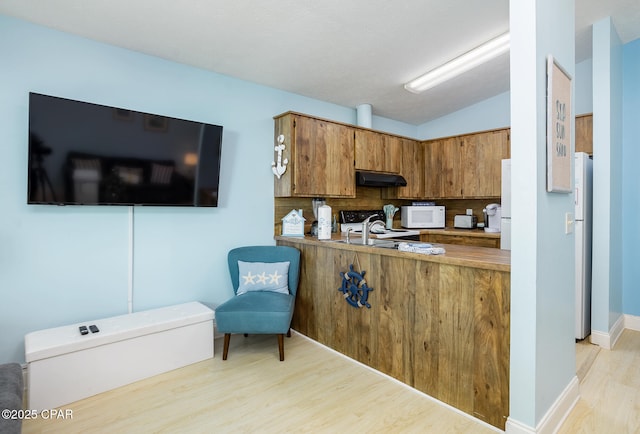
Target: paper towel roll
(324,222)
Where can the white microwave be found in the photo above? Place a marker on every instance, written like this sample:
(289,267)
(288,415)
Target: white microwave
(422,217)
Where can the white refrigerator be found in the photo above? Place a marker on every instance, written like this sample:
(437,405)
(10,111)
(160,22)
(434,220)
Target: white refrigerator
(583,197)
(505,204)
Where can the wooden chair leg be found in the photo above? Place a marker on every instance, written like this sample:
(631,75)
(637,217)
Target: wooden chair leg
(225,350)
(281,346)
(289,333)
(246,335)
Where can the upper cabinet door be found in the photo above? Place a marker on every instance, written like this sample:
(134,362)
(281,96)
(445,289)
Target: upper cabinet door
(324,158)
(321,155)
(412,169)
(584,134)
(482,157)
(377,152)
(467,166)
(443,169)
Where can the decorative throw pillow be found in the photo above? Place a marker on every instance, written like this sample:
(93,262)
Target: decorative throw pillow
(161,173)
(263,276)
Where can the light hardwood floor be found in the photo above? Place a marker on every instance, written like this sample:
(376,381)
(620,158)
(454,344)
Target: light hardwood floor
(317,391)
(610,391)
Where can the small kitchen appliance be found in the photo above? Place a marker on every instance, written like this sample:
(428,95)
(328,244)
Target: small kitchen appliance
(492,215)
(461,221)
(422,217)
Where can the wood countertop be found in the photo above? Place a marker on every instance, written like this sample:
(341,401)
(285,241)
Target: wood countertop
(467,256)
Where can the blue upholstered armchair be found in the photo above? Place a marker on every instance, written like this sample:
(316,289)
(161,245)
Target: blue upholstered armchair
(265,281)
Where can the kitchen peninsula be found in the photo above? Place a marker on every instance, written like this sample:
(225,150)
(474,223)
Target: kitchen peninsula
(439,323)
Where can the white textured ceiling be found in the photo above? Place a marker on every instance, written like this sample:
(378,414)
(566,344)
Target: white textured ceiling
(345,52)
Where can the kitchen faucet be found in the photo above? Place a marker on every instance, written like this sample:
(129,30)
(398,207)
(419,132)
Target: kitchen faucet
(366,227)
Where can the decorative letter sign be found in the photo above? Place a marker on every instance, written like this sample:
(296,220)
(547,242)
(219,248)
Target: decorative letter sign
(559,151)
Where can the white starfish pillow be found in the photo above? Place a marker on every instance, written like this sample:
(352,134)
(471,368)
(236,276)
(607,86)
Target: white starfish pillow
(263,276)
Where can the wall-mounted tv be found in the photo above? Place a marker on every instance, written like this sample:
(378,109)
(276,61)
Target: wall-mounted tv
(89,154)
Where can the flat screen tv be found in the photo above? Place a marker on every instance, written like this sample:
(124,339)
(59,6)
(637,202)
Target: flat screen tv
(88,154)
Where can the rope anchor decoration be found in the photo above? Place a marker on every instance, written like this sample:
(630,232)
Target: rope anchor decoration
(354,288)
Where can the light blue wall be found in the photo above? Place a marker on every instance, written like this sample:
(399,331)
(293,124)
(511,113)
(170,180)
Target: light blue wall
(542,255)
(584,87)
(489,114)
(495,112)
(630,177)
(607,178)
(61,265)
(391,126)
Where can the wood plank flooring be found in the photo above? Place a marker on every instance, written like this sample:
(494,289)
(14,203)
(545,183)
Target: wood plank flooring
(317,391)
(313,391)
(610,391)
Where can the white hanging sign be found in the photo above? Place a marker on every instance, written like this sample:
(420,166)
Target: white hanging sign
(559,121)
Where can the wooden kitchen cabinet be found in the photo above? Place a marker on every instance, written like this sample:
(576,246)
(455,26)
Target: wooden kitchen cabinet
(483,154)
(460,239)
(467,166)
(440,324)
(320,154)
(412,169)
(442,168)
(377,152)
(584,134)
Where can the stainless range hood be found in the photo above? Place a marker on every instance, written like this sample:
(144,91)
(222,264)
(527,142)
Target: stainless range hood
(377,179)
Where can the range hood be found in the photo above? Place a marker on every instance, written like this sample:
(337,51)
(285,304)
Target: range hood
(377,179)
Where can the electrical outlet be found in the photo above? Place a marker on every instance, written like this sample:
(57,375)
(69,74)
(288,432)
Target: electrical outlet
(568,223)
(469,211)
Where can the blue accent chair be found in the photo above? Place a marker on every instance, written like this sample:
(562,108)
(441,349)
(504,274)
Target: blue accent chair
(259,312)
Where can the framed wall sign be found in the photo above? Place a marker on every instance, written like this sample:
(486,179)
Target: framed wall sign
(559,132)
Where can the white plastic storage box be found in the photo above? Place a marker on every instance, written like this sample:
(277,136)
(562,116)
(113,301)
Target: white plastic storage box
(65,366)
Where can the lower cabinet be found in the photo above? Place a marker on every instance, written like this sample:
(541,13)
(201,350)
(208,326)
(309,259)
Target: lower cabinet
(438,327)
(461,239)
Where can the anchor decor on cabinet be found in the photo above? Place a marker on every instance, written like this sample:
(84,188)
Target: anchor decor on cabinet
(354,288)
(281,166)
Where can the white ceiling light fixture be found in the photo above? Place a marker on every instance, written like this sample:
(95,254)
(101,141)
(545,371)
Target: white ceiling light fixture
(479,55)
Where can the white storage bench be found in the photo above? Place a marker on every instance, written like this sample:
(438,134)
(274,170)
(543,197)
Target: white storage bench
(65,366)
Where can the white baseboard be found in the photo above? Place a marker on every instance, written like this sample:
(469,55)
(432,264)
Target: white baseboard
(554,417)
(607,340)
(552,421)
(514,427)
(632,322)
(601,339)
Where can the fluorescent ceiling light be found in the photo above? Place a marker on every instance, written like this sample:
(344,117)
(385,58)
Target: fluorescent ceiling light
(457,66)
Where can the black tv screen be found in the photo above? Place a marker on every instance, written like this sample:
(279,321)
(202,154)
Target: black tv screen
(89,154)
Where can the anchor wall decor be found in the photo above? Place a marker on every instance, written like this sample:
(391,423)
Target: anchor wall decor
(281,166)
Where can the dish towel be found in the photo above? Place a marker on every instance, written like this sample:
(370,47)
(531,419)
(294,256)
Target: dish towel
(424,248)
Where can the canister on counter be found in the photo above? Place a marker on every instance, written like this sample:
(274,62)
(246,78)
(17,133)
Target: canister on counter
(324,222)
